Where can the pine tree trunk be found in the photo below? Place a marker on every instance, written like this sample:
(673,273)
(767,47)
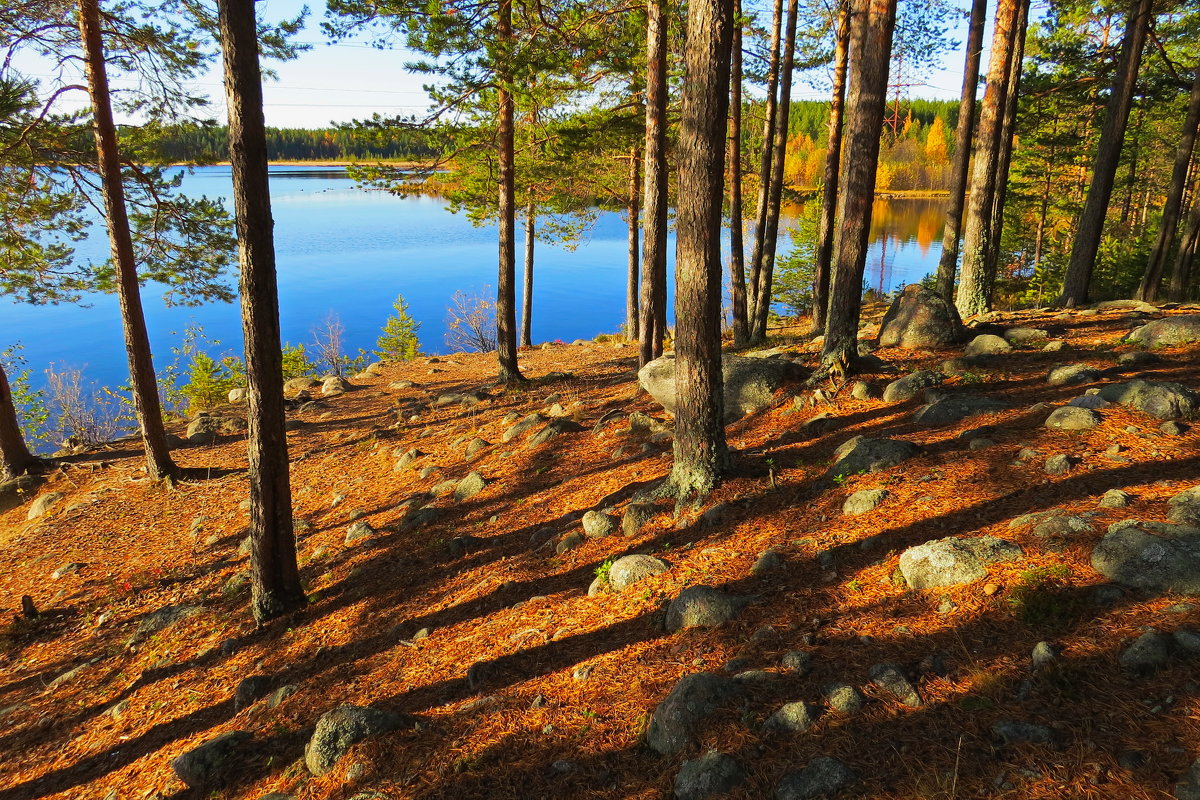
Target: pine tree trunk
(506,280)
(1168,230)
(1077,282)
(827,233)
(137,340)
(973,289)
(633,214)
(527,293)
(15,458)
(948,263)
(1182,274)
(1008,130)
(654,207)
(737,253)
(767,159)
(274,576)
(871,26)
(701,455)
(770,238)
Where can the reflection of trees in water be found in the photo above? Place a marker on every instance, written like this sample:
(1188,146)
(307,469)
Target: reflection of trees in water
(895,223)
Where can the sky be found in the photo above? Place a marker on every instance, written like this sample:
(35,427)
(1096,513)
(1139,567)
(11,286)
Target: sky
(335,82)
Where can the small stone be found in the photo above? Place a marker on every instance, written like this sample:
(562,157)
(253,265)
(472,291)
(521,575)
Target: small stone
(986,344)
(1060,464)
(468,487)
(569,542)
(598,524)
(1071,374)
(1017,732)
(793,718)
(66,569)
(890,678)
(1044,655)
(358,532)
(636,515)
(1187,641)
(708,776)
(823,777)
(1148,653)
(1072,418)
(340,729)
(767,561)
(207,765)
(797,661)
(844,698)
(1115,498)
(249,690)
(1173,428)
(864,501)
(702,607)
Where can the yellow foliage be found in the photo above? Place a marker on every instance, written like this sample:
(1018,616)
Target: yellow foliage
(935,142)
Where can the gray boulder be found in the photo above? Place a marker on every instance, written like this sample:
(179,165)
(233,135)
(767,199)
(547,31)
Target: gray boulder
(673,723)
(1025,337)
(1168,331)
(1184,507)
(844,698)
(1188,787)
(208,765)
(862,454)
(14,492)
(955,408)
(1072,418)
(358,532)
(863,501)
(628,570)
(1146,654)
(43,504)
(296,385)
(334,385)
(554,429)
(1153,556)
(891,679)
(703,607)
(597,524)
(823,777)
(528,423)
(206,429)
(710,775)
(468,487)
(920,318)
(986,344)
(749,383)
(636,515)
(1158,399)
(340,729)
(1070,374)
(954,561)
(793,718)
(911,385)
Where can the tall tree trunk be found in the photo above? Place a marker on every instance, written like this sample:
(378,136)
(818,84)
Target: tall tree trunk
(737,252)
(1182,274)
(654,214)
(1008,130)
(274,578)
(973,289)
(1131,178)
(15,458)
(1077,281)
(633,213)
(948,263)
(767,159)
(871,26)
(701,455)
(137,340)
(527,289)
(1155,265)
(770,238)
(827,233)
(506,280)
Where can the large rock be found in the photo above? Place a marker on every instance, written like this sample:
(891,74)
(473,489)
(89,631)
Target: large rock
(1154,556)
(750,383)
(206,765)
(793,718)
(528,423)
(986,344)
(703,607)
(1025,337)
(552,430)
(953,561)
(206,429)
(891,679)
(911,385)
(1072,418)
(862,454)
(334,385)
(469,486)
(1070,374)
(823,777)
(1167,331)
(710,775)
(339,730)
(955,408)
(14,492)
(43,504)
(296,385)
(1158,399)
(673,724)
(628,570)
(863,501)
(920,318)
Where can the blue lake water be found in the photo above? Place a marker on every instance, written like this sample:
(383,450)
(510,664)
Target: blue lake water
(348,251)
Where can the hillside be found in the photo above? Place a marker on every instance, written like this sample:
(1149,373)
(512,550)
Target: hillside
(473,619)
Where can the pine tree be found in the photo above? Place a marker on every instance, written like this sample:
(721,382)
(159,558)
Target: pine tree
(399,342)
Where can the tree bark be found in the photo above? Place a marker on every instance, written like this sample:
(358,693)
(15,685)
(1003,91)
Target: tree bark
(767,160)
(701,454)
(871,26)
(633,213)
(506,280)
(973,289)
(654,216)
(827,233)
(1181,275)
(15,458)
(137,340)
(948,263)
(737,252)
(1168,230)
(274,577)
(1008,130)
(762,301)
(1077,282)
(527,289)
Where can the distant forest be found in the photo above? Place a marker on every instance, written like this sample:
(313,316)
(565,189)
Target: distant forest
(918,141)
(200,143)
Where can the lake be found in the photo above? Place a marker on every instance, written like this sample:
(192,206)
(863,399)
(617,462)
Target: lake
(348,251)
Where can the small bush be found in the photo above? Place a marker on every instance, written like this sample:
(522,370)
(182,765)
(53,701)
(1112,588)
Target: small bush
(471,323)
(399,342)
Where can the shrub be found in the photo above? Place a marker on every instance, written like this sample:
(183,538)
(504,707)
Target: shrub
(471,323)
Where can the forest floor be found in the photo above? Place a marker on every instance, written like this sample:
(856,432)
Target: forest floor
(104,688)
